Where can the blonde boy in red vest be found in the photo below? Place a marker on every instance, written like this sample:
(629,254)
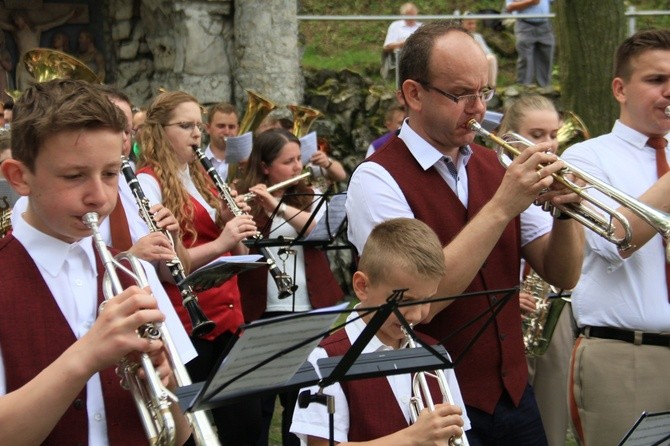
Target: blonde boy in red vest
(402,253)
(57,368)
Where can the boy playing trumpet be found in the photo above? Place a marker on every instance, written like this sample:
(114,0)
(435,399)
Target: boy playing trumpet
(401,253)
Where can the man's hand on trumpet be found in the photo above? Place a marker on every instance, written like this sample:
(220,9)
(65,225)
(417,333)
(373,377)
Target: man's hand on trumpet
(525,178)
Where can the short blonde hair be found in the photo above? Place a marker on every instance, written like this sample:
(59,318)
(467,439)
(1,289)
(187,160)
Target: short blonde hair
(405,244)
(517,110)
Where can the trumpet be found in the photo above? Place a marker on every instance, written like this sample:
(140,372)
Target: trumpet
(283,281)
(249,196)
(200,323)
(601,224)
(151,398)
(421,392)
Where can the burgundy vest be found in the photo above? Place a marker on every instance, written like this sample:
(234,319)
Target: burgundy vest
(322,287)
(373,408)
(34,332)
(496,361)
(221,304)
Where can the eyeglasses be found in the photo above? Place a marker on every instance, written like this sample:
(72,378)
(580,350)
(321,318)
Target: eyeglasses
(187,125)
(484,95)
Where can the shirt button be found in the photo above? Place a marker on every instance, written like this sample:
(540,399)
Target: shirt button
(98,417)
(78,282)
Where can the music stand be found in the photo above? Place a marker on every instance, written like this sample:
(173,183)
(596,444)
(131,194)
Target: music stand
(651,429)
(220,270)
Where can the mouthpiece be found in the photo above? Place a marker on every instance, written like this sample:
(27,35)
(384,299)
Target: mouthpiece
(667,111)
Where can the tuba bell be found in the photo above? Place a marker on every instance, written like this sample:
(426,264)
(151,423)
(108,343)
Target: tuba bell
(258,108)
(303,118)
(571,131)
(45,64)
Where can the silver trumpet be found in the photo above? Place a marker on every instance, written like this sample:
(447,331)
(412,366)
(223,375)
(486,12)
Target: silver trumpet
(249,196)
(603,223)
(151,398)
(421,392)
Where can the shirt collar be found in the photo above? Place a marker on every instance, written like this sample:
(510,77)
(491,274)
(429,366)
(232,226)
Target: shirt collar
(48,252)
(424,153)
(633,137)
(356,327)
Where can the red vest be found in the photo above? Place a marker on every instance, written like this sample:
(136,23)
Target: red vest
(322,287)
(34,332)
(221,304)
(496,361)
(373,408)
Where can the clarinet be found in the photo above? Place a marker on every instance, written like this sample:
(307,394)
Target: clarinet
(200,323)
(282,280)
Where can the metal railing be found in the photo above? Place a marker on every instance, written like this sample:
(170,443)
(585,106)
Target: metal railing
(632,13)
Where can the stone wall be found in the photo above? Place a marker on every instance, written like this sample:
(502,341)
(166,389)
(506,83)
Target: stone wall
(213,49)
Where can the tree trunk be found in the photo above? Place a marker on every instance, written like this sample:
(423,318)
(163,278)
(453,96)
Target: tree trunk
(588,33)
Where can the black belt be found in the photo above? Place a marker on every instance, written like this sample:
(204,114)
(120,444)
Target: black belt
(633,337)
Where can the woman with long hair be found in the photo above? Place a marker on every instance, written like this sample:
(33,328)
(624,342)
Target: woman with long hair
(275,158)
(170,173)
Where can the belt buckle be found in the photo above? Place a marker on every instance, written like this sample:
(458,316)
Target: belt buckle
(638,337)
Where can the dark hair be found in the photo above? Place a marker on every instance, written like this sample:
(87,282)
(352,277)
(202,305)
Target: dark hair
(638,43)
(415,55)
(267,146)
(47,108)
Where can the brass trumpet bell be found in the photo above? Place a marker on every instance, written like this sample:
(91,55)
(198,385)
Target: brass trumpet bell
(572,131)
(303,117)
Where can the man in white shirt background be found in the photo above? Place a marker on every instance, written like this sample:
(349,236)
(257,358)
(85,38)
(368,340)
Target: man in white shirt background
(222,122)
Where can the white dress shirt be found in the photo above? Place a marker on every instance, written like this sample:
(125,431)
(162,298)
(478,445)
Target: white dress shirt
(374,196)
(220,165)
(612,291)
(69,271)
(314,419)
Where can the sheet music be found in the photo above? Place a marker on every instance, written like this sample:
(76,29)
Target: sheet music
(650,429)
(263,339)
(238,148)
(327,226)
(308,147)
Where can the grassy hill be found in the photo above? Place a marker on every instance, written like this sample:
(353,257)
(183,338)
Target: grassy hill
(356,45)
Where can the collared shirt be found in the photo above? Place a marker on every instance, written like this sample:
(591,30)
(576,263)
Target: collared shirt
(69,271)
(374,196)
(399,31)
(314,419)
(612,291)
(220,165)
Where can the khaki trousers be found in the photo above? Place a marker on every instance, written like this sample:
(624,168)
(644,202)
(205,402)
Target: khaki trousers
(612,383)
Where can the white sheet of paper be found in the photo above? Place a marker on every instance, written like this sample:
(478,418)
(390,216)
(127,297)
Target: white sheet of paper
(308,147)
(331,220)
(238,148)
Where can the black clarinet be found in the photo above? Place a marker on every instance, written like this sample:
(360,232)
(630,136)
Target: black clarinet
(282,280)
(200,323)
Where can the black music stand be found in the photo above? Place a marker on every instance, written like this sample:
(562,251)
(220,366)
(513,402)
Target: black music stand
(221,270)
(651,429)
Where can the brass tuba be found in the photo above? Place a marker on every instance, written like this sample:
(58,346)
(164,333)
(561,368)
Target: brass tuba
(303,117)
(45,64)
(571,131)
(258,108)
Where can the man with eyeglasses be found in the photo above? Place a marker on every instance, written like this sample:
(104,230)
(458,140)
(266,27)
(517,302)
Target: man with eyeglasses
(481,212)
(222,122)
